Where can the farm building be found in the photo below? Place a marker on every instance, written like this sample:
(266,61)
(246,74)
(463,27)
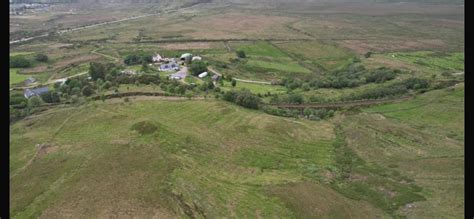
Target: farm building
(169,67)
(215,77)
(35,92)
(202,75)
(157,58)
(186,57)
(30,81)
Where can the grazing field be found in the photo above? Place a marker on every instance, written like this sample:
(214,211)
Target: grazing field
(321,55)
(220,154)
(194,155)
(422,139)
(15,77)
(254,88)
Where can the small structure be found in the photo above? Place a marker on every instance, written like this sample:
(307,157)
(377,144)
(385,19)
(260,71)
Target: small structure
(186,57)
(172,66)
(35,91)
(215,77)
(196,58)
(178,75)
(157,58)
(202,75)
(30,81)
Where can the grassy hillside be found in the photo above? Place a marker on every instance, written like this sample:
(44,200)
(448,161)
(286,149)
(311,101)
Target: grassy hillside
(421,139)
(206,158)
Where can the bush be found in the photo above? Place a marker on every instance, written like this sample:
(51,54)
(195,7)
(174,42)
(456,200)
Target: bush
(148,79)
(97,70)
(41,57)
(19,62)
(241,54)
(34,101)
(87,91)
(243,98)
(233,83)
(295,98)
(380,75)
(135,59)
(368,54)
(197,67)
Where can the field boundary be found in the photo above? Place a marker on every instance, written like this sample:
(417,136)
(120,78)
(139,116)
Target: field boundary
(336,105)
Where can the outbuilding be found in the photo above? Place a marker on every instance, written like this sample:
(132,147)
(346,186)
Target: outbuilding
(187,57)
(35,91)
(202,75)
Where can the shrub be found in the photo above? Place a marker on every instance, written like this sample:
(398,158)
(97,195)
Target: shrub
(241,54)
(243,98)
(87,91)
(41,57)
(233,83)
(19,62)
(197,67)
(34,101)
(97,70)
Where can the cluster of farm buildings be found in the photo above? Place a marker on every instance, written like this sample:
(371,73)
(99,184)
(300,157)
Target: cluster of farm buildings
(165,64)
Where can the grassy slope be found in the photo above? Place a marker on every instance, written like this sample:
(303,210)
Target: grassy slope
(420,139)
(209,157)
(15,77)
(214,159)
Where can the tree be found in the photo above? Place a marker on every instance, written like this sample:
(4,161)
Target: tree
(34,101)
(197,67)
(107,85)
(295,98)
(75,91)
(40,57)
(240,54)
(97,70)
(234,82)
(87,91)
(55,97)
(19,62)
(46,97)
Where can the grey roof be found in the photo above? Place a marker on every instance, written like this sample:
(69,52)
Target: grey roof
(215,77)
(35,92)
(169,66)
(30,80)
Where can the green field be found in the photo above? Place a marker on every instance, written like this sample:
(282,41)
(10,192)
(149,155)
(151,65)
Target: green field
(433,61)
(15,77)
(214,158)
(203,157)
(254,88)
(422,139)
